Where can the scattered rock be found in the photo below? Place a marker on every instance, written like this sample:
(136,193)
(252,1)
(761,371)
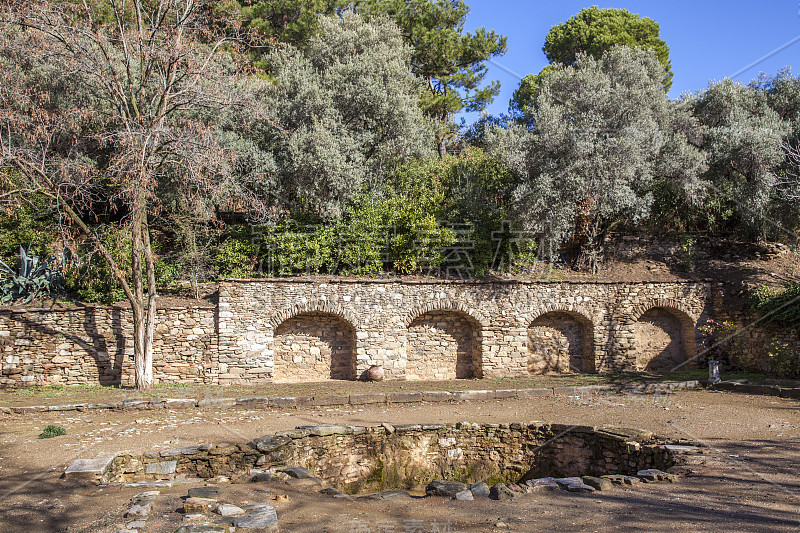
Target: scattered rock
(305,482)
(464,496)
(145,497)
(514,487)
(390,495)
(447,489)
(139,511)
(500,492)
(265,519)
(330,491)
(619,479)
(542,484)
(297,472)
(205,492)
(282,498)
(656,476)
(597,483)
(198,505)
(203,528)
(479,490)
(564,482)
(228,509)
(136,524)
(579,487)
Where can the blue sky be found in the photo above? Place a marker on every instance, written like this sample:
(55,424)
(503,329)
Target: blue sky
(707,39)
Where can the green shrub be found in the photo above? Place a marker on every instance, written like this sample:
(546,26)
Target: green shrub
(779,306)
(784,362)
(52,431)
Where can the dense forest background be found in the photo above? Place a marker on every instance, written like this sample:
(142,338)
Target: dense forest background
(318,136)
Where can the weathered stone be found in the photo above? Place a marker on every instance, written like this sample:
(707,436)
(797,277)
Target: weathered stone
(579,487)
(304,482)
(265,519)
(205,492)
(138,511)
(198,505)
(464,495)
(479,490)
(653,475)
(136,524)
(297,472)
(228,509)
(619,479)
(597,483)
(145,497)
(330,491)
(91,469)
(203,528)
(323,431)
(563,482)
(162,468)
(542,484)
(500,492)
(444,488)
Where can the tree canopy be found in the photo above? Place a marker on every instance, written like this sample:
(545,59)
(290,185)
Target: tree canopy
(595,31)
(603,132)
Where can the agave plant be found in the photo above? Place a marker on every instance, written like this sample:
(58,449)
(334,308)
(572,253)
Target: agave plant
(32,277)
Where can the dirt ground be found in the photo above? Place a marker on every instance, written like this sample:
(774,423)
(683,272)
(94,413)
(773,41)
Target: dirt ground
(748,482)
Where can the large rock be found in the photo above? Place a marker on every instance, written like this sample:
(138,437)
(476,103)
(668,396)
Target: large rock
(542,484)
(264,519)
(564,482)
(205,492)
(598,483)
(91,469)
(297,472)
(162,468)
(139,511)
(500,492)
(464,495)
(479,489)
(447,489)
(579,487)
(656,476)
(620,479)
(198,505)
(228,509)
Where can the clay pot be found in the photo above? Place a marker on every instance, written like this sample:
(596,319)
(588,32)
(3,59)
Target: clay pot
(375,373)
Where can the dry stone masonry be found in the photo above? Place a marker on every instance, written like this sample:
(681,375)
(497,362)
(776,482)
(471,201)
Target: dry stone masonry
(446,330)
(295,330)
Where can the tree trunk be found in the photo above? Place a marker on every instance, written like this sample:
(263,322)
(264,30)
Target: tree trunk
(441,147)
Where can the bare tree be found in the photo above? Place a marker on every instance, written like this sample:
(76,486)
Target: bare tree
(99,102)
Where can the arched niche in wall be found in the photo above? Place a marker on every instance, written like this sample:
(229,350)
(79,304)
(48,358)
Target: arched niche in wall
(560,342)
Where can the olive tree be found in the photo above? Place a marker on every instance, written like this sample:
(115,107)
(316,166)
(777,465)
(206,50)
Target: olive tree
(343,112)
(603,132)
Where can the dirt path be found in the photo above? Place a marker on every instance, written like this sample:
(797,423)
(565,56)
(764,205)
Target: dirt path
(749,481)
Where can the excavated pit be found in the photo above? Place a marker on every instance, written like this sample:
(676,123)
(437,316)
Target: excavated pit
(361,459)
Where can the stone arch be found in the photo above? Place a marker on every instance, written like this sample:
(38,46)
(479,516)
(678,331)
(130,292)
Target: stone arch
(443,306)
(444,344)
(664,335)
(560,340)
(314,346)
(317,306)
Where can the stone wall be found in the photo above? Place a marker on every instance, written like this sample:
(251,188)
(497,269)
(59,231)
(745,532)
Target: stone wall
(446,330)
(365,458)
(305,330)
(94,345)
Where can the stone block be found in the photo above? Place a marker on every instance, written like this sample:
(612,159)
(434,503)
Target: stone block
(404,397)
(523,394)
(90,469)
(363,399)
(162,468)
(436,396)
(472,395)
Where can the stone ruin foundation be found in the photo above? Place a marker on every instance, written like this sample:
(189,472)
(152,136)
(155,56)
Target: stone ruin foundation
(360,459)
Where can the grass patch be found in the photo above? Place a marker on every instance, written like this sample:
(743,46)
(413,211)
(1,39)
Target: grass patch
(52,431)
